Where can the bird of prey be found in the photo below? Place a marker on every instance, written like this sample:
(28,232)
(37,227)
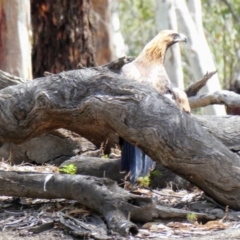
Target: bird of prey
(149,67)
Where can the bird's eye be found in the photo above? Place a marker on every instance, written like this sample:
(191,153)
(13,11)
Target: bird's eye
(175,35)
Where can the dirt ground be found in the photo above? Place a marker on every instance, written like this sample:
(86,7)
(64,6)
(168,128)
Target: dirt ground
(168,229)
(20,217)
(228,234)
(47,235)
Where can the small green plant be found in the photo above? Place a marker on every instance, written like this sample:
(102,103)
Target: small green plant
(192,217)
(105,156)
(144,181)
(156,173)
(69,169)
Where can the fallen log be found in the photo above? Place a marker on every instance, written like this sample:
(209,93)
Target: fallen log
(109,168)
(97,104)
(225,128)
(102,195)
(54,147)
(72,145)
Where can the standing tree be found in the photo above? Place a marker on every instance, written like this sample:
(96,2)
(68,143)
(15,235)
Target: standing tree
(199,55)
(102,33)
(62,35)
(15,47)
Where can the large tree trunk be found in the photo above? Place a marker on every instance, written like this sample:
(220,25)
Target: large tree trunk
(15,42)
(98,104)
(62,35)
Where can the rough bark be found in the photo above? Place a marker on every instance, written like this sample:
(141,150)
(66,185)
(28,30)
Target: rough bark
(69,145)
(97,167)
(225,128)
(96,104)
(7,80)
(53,147)
(62,35)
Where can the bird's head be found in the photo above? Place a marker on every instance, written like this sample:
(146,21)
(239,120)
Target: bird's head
(157,47)
(170,37)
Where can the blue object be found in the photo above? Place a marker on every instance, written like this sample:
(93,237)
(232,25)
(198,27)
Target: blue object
(135,161)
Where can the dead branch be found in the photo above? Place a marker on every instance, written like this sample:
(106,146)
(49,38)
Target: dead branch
(194,88)
(228,98)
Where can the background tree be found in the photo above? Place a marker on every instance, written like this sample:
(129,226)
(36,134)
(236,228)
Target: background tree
(15,42)
(165,17)
(102,35)
(198,55)
(62,35)
(221,24)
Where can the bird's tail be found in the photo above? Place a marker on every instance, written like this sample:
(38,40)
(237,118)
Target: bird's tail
(135,161)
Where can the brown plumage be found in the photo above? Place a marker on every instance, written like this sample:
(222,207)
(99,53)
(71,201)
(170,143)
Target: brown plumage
(149,67)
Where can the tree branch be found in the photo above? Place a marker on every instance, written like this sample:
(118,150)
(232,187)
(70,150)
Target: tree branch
(228,98)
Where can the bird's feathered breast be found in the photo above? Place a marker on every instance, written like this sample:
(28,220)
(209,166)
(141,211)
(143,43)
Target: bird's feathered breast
(152,73)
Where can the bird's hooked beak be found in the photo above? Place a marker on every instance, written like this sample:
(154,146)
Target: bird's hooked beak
(179,37)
